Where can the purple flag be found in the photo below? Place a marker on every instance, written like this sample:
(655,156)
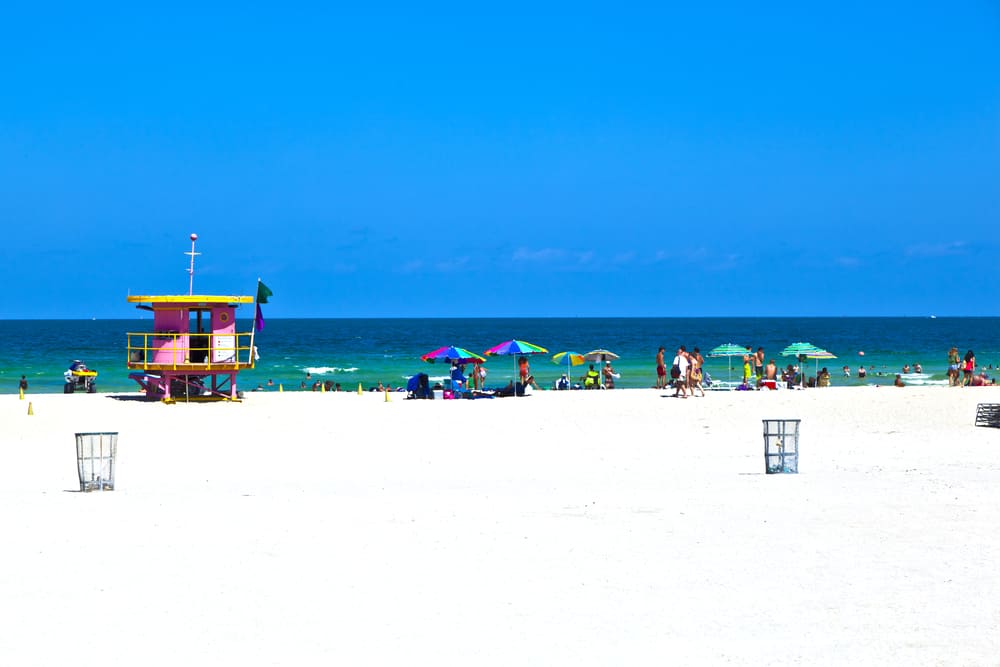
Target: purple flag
(259,319)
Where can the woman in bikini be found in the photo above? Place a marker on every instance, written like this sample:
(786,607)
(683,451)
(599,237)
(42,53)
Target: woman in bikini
(953,367)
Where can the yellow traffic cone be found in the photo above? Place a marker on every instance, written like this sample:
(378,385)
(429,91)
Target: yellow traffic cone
(359,389)
(386,395)
(281,388)
(322,387)
(30,409)
(21,391)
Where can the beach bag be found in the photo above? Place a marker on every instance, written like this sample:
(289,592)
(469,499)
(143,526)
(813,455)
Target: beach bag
(675,371)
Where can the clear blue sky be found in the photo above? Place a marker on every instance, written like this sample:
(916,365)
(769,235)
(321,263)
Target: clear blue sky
(530,159)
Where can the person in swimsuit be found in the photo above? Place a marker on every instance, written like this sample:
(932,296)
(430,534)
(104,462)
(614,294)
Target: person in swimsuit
(968,367)
(697,375)
(953,367)
(661,370)
(758,364)
(609,376)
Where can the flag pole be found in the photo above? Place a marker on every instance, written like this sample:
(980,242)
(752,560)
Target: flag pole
(253,329)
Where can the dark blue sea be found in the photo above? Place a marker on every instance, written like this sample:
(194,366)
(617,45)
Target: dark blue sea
(368,351)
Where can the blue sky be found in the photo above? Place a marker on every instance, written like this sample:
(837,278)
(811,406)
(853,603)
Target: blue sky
(576,159)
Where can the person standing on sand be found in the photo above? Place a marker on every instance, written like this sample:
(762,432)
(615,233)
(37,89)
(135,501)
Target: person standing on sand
(758,364)
(23,384)
(696,375)
(661,370)
(609,375)
(696,355)
(682,362)
(953,367)
(968,367)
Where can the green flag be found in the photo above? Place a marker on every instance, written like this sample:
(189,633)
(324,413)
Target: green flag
(262,292)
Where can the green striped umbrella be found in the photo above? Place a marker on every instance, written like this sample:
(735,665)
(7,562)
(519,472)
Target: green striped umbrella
(728,350)
(801,350)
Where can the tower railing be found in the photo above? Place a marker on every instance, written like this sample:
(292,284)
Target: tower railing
(173,350)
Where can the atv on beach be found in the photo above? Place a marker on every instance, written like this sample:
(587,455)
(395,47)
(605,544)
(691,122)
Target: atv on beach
(79,377)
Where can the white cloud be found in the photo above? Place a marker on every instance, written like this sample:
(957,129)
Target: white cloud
(539,255)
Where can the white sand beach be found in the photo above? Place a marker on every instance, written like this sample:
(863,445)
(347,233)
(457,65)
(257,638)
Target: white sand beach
(571,528)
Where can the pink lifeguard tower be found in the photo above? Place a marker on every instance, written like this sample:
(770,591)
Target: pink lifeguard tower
(194,351)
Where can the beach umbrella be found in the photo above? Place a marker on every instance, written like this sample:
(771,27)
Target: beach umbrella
(451,353)
(819,354)
(515,348)
(600,355)
(454,355)
(728,350)
(570,359)
(801,349)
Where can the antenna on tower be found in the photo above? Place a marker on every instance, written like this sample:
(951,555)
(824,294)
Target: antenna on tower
(194,237)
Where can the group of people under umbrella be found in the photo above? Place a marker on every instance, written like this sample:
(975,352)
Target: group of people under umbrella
(460,357)
(801,351)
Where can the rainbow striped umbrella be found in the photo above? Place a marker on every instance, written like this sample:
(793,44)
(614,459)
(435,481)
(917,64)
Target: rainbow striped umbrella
(452,353)
(516,348)
(571,359)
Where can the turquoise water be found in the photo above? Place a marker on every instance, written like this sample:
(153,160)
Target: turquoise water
(368,351)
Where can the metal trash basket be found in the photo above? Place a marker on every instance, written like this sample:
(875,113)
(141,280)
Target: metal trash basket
(781,445)
(95,460)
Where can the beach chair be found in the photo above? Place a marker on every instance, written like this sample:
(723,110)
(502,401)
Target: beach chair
(418,386)
(988,414)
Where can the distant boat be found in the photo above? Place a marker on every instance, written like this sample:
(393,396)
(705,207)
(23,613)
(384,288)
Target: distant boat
(933,317)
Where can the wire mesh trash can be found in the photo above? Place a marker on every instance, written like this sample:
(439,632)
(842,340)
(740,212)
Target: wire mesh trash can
(95,460)
(781,445)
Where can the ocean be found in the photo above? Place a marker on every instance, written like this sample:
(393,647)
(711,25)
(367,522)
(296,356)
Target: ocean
(368,351)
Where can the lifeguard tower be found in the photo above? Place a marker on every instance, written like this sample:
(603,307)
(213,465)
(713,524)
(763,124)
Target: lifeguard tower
(194,350)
